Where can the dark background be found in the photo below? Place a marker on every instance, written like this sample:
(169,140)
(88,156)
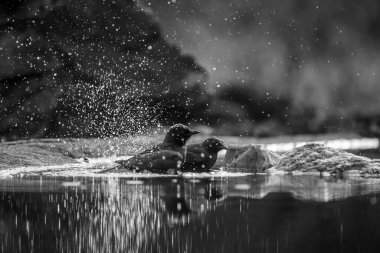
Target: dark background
(96,69)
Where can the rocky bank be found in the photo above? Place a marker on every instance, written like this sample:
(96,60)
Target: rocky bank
(312,158)
(307,159)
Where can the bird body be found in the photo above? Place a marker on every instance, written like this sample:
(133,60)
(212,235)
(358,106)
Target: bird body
(202,156)
(198,158)
(163,146)
(161,158)
(162,161)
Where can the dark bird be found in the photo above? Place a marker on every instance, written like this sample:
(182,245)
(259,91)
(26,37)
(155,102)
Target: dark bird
(201,157)
(175,139)
(165,157)
(161,161)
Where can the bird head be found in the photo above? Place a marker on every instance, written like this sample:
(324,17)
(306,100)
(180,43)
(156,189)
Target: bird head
(214,144)
(179,134)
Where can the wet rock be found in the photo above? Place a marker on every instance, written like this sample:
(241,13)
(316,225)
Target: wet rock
(319,158)
(89,68)
(54,152)
(33,154)
(252,158)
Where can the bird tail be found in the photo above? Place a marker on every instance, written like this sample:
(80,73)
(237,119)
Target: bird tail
(122,165)
(114,168)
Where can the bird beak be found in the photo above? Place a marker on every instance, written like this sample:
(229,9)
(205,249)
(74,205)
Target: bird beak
(224,147)
(194,132)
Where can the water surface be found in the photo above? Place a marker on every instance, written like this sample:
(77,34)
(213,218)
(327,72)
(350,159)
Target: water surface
(278,213)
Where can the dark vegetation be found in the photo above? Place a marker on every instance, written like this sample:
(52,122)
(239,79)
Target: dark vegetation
(79,68)
(279,66)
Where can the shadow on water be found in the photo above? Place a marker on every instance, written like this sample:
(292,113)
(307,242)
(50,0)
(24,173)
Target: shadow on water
(240,214)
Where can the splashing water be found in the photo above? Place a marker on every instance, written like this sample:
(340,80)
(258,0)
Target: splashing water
(113,107)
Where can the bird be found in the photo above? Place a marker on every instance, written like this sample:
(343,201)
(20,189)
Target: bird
(202,156)
(164,157)
(174,140)
(160,161)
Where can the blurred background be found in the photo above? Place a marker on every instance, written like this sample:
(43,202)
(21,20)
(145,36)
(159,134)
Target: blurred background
(81,68)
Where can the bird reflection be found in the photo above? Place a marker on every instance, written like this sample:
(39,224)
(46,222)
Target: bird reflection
(154,215)
(213,192)
(177,207)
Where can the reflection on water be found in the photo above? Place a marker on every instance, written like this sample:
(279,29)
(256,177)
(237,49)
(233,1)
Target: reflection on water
(240,214)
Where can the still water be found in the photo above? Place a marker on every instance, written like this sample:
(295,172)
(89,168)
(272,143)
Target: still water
(260,213)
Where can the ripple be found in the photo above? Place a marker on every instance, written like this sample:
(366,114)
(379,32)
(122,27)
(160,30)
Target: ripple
(134,182)
(71,184)
(242,186)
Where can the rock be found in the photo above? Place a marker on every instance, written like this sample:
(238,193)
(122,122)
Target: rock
(90,68)
(312,158)
(55,152)
(252,158)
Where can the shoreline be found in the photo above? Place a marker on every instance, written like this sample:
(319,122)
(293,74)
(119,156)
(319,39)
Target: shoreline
(87,156)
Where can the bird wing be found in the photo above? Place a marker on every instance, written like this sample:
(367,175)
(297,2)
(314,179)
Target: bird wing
(149,150)
(194,154)
(198,158)
(161,147)
(157,161)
